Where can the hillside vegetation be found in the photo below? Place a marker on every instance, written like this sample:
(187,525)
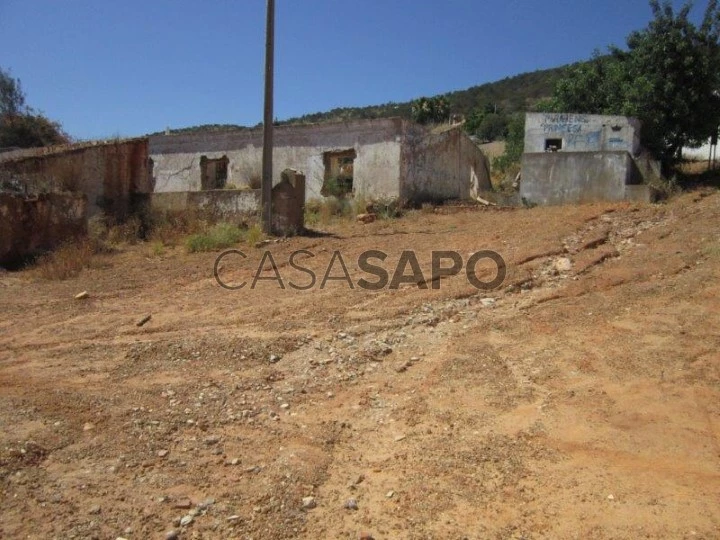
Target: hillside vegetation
(512,94)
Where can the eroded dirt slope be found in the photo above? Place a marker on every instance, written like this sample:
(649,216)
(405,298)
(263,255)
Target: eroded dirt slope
(580,400)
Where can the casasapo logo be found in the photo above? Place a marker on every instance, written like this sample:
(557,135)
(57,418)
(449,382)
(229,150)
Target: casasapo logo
(377,271)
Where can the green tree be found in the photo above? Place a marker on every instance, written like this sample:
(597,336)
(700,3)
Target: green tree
(20,125)
(487,122)
(12,99)
(493,127)
(668,78)
(430,110)
(514,143)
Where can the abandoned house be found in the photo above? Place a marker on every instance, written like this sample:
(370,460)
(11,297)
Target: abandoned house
(380,158)
(575,158)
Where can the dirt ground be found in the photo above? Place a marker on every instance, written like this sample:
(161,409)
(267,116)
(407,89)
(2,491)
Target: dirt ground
(579,400)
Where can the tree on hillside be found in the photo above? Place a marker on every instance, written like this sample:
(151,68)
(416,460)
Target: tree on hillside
(668,78)
(431,110)
(514,143)
(20,125)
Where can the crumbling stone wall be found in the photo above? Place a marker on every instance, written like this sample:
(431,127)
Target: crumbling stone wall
(442,166)
(223,204)
(30,225)
(108,174)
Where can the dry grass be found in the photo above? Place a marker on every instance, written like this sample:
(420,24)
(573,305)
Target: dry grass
(170,228)
(65,262)
(128,232)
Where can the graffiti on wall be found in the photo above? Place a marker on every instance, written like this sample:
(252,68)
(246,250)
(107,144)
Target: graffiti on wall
(584,140)
(564,123)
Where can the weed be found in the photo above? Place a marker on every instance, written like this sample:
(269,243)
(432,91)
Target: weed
(156,249)
(312,214)
(254,235)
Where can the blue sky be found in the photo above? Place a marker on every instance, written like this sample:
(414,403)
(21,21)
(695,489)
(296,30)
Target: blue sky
(128,68)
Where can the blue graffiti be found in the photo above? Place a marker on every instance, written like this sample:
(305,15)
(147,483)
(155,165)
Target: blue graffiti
(564,123)
(561,128)
(584,140)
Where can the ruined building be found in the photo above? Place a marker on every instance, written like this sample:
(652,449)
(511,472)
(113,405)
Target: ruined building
(381,158)
(575,158)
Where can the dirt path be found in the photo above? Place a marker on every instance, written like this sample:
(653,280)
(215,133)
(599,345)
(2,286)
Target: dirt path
(580,400)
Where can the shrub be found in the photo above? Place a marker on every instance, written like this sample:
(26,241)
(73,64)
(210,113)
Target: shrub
(220,236)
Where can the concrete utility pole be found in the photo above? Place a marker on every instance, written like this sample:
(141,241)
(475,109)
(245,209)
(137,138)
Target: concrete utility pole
(267,173)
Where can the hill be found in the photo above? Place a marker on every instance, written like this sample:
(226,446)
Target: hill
(511,94)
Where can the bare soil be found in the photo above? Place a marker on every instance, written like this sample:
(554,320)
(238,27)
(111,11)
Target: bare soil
(579,400)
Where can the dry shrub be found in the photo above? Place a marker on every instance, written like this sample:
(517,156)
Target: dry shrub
(169,227)
(65,262)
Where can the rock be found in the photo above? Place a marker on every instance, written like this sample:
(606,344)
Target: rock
(308,503)
(262,243)
(213,439)
(285,406)
(233,518)
(206,503)
(563,264)
(88,427)
(143,321)
(274,358)
(234,461)
(390,494)
(487,302)
(351,504)
(184,504)
(82,296)
(162,453)
(186,520)
(400,438)
(366,218)
(611,497)
(95,509)
(172,535)
(359,479)
(403,367)
(365,536)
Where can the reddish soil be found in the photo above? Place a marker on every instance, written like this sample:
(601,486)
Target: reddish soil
(579,400)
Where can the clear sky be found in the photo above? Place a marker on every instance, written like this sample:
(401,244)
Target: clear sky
(107,68)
